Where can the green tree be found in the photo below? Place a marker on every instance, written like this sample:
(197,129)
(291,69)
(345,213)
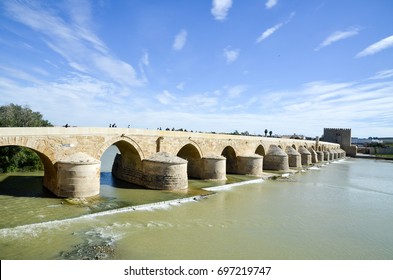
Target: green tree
(265,132)
(14,158)
(17,116)
(270,133)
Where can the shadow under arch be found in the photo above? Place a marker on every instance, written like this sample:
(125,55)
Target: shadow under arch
(190,153)
(294,147)
(29,184)
(260,150)
(231,159)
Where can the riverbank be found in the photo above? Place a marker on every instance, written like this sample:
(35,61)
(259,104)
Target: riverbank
(368,156)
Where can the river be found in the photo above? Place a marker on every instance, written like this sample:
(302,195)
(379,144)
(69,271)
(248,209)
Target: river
(341,210)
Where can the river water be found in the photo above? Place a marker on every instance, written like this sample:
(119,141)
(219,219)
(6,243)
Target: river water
(342,210)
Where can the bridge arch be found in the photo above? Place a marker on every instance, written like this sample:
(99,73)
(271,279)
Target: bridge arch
(128,164)
(260,150)
(192,154)
(231,162)
(125,145)
(50,174)
(294,146)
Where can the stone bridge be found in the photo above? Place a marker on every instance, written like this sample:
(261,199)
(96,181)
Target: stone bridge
(157,159)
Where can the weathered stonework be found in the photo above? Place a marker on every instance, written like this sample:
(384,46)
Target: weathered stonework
(294,157)
(206,156)
(314,156)
(164,171)
(213,168)
(326,155)
(77,176)
(250,165)
(275,159)
(305,156)
(320,156)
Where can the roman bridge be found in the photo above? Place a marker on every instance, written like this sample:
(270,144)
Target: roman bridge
(157,159)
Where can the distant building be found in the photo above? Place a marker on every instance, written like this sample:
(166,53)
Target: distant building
(340,136)
(294,136)
(360,142)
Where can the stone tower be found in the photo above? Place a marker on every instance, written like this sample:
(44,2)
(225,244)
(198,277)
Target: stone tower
(340,136)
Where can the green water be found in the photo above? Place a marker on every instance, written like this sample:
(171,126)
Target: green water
(343,210)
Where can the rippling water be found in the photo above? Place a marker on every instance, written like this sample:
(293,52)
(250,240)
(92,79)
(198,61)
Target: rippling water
(339,211)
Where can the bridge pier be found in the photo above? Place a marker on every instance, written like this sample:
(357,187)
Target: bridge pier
(305,155)
(326,155)
(320,156)
(213,168)
(77,176)
(314,156)
(162,171)
(250,165)
(275,159)
(333,154)
(294,157)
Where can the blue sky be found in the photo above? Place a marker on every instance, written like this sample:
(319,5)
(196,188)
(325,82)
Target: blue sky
(291,66)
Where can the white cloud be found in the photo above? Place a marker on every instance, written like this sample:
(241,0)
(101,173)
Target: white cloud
(364,106)
(181,85)
(270,3)
(337,36)
(166,98)
(18,74)
(73,40)
(236,91)
(383,74)
(145,59)
(231,54)
(377,47)
(220,9)
(268,32)
(180,40)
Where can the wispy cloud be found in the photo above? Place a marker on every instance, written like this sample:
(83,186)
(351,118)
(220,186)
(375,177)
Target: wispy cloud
(268,32)
(236,91)
(338,36)
(231,54)
(71,37)
(181,86)
(383,74)
(377,47)
(220,9)
(270,4)
(145,59)
(180,40)
(166,98)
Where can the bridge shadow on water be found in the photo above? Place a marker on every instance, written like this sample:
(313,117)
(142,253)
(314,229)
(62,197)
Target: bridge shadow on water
(108,179)
(24,186)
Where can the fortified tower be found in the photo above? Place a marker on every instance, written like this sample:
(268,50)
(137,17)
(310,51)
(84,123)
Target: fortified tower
(340,136)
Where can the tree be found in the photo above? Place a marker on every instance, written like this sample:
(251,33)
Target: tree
(14,158)
(270,133)
(17,116)
(265,132)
